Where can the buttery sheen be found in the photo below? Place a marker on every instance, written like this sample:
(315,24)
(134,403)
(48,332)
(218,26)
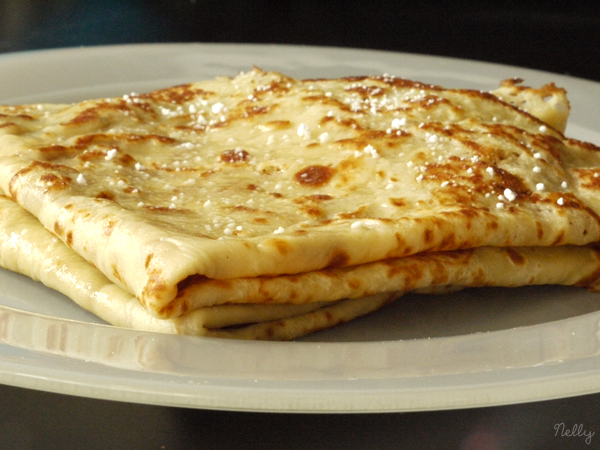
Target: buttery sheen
(263,175)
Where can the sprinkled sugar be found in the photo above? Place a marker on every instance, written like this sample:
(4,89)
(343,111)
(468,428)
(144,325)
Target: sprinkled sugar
(509,195)
(369,149)
(111,154)
(304,131)
(397,123)
(218,108)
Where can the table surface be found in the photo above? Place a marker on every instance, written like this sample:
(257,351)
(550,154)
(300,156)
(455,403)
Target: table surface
(563,38)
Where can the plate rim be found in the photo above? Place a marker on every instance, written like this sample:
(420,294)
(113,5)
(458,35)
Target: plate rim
(259,395)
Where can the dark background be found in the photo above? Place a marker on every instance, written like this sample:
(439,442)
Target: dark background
(561,37)
(558,37)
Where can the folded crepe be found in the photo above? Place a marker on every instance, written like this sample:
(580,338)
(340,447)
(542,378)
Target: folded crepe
(27,247)
(278,199)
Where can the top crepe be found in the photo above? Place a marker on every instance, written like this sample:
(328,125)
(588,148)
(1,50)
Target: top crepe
(262,175)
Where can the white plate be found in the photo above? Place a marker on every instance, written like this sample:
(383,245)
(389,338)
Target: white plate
(475,348)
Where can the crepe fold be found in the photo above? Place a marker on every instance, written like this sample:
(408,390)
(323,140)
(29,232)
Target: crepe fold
(27,248)
(266,207)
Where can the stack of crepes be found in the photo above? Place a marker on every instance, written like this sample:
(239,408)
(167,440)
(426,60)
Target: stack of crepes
(265,207)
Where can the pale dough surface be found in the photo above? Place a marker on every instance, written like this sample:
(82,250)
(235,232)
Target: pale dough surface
(263,175)
(26,247)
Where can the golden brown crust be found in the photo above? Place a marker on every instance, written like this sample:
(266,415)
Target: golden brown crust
(263,175)
(26,247)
